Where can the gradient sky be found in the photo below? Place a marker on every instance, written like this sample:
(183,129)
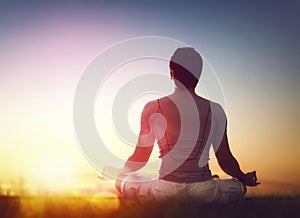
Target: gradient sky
(254,47)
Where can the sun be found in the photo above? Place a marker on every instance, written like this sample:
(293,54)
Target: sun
(55,174)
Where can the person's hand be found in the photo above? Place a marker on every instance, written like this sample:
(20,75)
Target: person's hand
(250,179)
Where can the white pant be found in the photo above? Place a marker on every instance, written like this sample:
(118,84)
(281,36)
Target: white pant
(141,188)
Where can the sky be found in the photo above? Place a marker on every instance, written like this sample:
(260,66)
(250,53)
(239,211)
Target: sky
(253,47)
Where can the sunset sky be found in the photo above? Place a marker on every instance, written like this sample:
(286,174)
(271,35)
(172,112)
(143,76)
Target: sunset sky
(254,48)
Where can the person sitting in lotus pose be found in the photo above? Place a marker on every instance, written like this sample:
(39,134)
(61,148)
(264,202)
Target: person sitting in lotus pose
(185,126)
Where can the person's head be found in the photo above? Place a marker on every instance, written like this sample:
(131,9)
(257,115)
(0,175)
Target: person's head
(186,67)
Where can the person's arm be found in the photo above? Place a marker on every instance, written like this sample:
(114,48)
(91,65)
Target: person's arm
(225,158)
(142,151)
(145,143)
(230,165)
(138,159)
(227,161)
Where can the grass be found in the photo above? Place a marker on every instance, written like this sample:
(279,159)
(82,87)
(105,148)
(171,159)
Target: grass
(54,207)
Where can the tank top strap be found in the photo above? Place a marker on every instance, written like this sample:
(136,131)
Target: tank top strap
(166,135)
(202,139)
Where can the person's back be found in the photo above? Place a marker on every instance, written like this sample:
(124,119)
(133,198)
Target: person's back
(184,146)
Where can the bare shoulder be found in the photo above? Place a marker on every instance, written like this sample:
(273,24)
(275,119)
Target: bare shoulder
(216,107)
(150,106)
(218,112)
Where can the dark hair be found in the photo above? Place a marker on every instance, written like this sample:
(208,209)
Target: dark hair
(186,64)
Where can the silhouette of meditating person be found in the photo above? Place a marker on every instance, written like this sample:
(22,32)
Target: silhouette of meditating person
(185,126)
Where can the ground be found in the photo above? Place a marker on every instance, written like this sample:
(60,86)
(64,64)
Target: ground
(61,206)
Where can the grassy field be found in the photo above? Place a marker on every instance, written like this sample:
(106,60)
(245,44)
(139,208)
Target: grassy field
(53,207)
